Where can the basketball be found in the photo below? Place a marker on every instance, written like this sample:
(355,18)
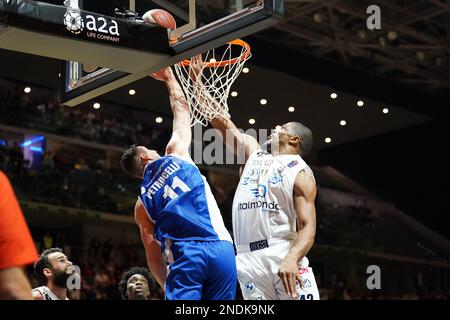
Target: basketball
(161,18)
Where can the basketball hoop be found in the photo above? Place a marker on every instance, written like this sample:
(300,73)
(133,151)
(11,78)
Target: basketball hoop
(207,89)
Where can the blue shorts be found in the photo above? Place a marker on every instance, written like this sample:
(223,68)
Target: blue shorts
(202,270)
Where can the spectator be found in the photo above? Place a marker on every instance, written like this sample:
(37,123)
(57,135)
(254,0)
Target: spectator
(137,284)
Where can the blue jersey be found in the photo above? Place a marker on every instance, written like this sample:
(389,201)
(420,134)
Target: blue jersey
(180,203)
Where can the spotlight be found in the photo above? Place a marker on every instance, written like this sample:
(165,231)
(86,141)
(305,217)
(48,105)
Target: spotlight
(392,35)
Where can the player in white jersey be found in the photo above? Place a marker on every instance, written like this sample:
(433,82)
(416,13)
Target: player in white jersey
(274,216)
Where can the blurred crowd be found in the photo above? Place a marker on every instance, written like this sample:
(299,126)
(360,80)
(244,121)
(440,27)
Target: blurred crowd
(44,114)
(73,183)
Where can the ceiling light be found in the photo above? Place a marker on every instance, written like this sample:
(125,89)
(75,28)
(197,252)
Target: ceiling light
(291,109)
(392,35)
(385,110)
(251,121)
(343,123)
(27,90)
(263,102)
(362,34)
(420,55)
(96,105)
(360,103)
(234,94)
(132,92)
(327,140)
(333,95)
(318,17)
(159,120)
(246,70)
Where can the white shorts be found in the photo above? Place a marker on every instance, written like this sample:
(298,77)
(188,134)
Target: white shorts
(259,280)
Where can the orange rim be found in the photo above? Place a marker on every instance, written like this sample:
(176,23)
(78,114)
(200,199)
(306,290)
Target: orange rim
(237,42)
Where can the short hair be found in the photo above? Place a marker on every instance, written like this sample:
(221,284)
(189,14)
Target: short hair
(41,263)
(127,275)
(129,162)
(305,134)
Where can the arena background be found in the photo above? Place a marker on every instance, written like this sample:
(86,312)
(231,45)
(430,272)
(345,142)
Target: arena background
(383,178)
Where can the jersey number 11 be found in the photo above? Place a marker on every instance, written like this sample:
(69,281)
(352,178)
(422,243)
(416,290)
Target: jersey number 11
(169,191)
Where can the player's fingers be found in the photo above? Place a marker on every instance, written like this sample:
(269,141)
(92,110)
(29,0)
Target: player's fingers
(285,283)
(292,285)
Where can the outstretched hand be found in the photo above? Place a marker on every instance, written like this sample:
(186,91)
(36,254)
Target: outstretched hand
(197,64)
(165,74)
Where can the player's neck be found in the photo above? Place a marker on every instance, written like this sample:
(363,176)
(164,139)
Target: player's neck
(61,293)
(285,150)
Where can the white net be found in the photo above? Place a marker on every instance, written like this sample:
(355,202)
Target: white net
(207,85)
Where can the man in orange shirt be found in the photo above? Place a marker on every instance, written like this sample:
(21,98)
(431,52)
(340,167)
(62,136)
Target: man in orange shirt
(17,248)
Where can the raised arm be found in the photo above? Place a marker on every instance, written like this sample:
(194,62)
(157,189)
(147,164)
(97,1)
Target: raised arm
(155,260)
(234,139)
(304,196)
(181,131)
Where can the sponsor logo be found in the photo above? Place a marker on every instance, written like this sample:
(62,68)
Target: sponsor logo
(98,27)
(292,164)
(271,206)
(303,270)
(250,287)
(74,21)
(248,180)
(306,283)
(261,153)
(258,245)
(253,173)
(260,191)
(277,178)
(257,162)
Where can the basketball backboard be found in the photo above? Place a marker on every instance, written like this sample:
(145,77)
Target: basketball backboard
(201,26)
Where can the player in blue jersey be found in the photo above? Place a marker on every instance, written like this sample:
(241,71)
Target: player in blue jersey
(189,251)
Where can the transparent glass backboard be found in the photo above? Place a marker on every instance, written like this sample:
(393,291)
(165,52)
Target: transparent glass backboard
(201,26)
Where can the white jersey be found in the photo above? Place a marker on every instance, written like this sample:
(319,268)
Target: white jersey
(46,293)
(263,206)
